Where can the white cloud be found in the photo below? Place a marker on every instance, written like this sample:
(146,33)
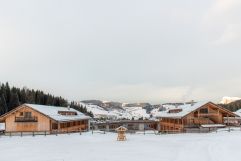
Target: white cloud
(231,34)
(222,22)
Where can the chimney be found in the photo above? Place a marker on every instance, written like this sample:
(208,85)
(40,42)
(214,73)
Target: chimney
(68,107)
(192,102)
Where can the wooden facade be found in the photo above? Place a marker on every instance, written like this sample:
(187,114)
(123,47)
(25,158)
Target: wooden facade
(207,114)
(27,119)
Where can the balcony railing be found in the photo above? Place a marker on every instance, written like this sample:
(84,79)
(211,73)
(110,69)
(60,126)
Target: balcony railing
(208,114)
(26,119)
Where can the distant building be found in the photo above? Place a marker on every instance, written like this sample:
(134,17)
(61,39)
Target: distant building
(199,115)
(47,119)
(131,125)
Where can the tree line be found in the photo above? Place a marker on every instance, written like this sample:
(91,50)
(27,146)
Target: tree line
(80,108)
(12,97)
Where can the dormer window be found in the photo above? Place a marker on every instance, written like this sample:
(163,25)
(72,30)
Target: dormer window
(68,113)
(175,110)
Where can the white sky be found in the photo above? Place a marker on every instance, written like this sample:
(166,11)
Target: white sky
(123,50)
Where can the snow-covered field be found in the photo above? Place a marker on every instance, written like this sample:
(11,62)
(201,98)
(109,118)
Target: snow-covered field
(221,146)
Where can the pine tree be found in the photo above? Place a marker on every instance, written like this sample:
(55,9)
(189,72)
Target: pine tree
(2,110)
(4,104)
(14,101)
(12,97)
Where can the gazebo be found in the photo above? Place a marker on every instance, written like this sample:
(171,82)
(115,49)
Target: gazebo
(121,133)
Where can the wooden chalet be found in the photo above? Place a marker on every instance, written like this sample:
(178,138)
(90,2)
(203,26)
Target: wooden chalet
(192,116)
(44,119)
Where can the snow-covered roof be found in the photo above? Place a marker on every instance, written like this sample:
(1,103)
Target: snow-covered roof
(212,125)
(52,112)
(185,109)
(121,128)
(238,112)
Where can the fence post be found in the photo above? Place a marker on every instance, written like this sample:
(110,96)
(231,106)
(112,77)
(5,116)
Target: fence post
(21,133)
(80,131)
(33,133)
(45,133)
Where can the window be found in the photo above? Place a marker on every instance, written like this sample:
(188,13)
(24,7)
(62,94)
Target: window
(204,110)
(27,114)
(21,114)
(54,126)
(175,110)
(67,112)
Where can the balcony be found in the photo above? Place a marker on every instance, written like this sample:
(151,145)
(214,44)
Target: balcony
(208,114)
(26,119)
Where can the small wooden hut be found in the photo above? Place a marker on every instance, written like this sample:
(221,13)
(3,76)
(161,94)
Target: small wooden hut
(121,133)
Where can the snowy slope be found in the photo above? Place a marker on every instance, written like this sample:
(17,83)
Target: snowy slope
(126,113)
(137,112)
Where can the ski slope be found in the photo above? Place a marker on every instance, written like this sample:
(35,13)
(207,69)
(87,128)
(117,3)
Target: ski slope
(221,146)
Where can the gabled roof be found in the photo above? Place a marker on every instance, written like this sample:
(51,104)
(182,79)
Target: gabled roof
(238,112)
(121,128)
(186,109)
(52,112)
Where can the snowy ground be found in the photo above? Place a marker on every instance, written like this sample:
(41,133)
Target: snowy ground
(221,146)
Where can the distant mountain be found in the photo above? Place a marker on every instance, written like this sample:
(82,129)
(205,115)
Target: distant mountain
(233,106)
(227,100)
(117,110)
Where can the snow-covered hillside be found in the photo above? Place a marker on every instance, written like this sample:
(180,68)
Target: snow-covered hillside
(137,112)
(227,100)
(124,113)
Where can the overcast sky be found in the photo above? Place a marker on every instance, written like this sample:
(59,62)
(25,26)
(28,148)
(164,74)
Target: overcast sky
(123,50)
